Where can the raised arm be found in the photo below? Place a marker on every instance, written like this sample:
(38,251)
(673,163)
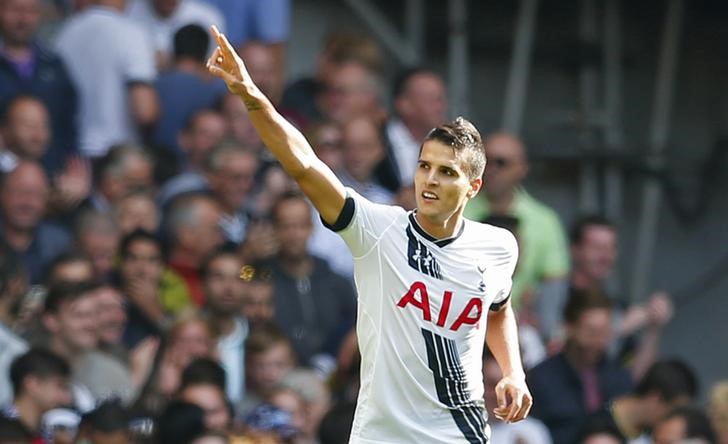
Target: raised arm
(286,143)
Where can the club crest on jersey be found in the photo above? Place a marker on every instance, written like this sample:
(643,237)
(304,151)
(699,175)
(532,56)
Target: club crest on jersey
(420,258)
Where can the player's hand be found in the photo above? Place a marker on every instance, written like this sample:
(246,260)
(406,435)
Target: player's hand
(226,64)
(514,399)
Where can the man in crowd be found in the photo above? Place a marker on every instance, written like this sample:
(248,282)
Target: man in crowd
(28,68)
(313,305)
(40,381)
(581,378)
(224,292)
(24,194)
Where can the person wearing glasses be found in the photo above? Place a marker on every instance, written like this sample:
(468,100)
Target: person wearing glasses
(540,280)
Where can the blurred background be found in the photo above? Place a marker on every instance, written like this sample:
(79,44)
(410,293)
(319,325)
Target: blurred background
(130,176)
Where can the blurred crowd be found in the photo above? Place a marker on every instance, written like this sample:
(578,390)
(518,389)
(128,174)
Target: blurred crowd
(163,280)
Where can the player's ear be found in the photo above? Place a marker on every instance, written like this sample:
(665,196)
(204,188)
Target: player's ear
(475,186)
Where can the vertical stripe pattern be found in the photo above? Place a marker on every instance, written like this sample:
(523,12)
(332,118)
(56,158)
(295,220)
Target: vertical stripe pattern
(420,258)
(451,387)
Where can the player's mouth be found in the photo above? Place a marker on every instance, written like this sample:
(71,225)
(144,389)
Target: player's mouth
(429,195)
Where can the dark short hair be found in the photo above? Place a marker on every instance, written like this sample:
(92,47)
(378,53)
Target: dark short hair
(135,236)
(284,198)
(402,79)
(670,378)
(203,371)
(264,337)
(697,424)
(466,142)
(65,292)
(181,422)
(68,257)
(581,301)
(599,425)
(191,41)
(11,267)
(578,228)
(108,417)
(38,362)
(224,250)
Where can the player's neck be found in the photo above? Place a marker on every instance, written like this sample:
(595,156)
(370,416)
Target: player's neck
(440,229)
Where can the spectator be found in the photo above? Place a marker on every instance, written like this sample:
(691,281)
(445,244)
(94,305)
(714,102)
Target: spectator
(123,170)
(599,430)
(69,267)
(188,339)
(28,68)
(211,399)
(223,303)
(269,358)
(257,304)
(137,211)
(326,140)
(238,125)
(666,386)
(193,225)
(265,68)
(26,133)
(581,378)
(362,151)
(313,305)
(543,261)
(256,20)
(270,424)
(205,130)
(69,317)
(40,381)
(304,96)
(682,425)
(231,178)
(23,200)
(420,103)
(108,423)
(13,285)
(180,422)
(718,411)
(112,63)
(153,295)
(162,18)
(188,74)
(291,402)
(352,91)
(529,431)
(97,236)
(316,400)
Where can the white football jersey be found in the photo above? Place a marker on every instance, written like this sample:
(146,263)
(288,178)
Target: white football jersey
(421,322)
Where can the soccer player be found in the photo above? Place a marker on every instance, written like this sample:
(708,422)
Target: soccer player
(424,279)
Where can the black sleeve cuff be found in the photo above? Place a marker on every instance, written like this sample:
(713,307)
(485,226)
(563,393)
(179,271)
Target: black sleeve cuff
(345,217)
(498,305)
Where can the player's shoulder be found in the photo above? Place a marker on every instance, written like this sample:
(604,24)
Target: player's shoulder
(489,235)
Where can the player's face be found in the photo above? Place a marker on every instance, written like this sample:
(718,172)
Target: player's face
(441,186)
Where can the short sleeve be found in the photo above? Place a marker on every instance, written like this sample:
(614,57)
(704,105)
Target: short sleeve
(362,223)
(138,63)
(502,271)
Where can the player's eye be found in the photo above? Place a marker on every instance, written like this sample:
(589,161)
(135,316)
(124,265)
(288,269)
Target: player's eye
(448,172)
(423,165)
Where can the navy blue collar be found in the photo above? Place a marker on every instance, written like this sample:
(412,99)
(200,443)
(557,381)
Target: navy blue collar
(439,242)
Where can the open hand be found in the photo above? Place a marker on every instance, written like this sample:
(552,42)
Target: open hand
(514,399)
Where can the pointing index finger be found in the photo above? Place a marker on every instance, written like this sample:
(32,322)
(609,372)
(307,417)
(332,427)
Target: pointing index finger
(222,41)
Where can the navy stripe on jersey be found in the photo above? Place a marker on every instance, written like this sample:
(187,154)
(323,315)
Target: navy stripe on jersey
(496,306)
(420,258)
(345,217)
(450,385)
